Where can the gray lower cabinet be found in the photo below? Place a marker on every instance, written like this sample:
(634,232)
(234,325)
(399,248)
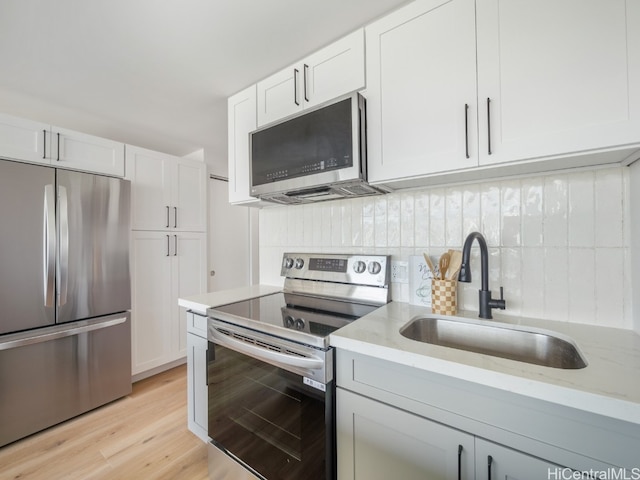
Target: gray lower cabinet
(394,421)
(377,441)
(197,389)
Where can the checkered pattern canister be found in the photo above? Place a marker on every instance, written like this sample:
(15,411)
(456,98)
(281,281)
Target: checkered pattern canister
(444,297)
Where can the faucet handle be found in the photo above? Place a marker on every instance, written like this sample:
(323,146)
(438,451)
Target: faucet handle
(501,293)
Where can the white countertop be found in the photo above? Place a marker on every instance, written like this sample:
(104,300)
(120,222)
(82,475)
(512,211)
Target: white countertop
(200,303)
(609,385)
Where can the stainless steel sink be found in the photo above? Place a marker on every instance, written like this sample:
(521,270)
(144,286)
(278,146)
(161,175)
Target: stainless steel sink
(530,345)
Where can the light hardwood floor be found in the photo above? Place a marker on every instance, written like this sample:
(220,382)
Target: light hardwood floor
(142,436)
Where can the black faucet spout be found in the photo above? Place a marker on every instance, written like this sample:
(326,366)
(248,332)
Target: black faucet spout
(486,303)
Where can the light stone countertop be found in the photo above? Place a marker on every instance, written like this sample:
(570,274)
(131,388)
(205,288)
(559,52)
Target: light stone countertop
(609,385)
(200,303)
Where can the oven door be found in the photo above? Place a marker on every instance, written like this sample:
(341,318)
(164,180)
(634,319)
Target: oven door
(271,420)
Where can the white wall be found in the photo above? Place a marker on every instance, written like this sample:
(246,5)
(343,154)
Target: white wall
(635,239)
(559,243)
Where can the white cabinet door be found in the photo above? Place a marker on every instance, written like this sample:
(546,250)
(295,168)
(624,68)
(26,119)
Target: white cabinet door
(164,267)
(561,77)
(197,391)
(190,196)
(336,70)
(188,277)
(494,461)
(379,442)
(421,90)
(168,192)
(151,308)
(22,139)
(279,95)
(80,151)
(150,175)
(241,111)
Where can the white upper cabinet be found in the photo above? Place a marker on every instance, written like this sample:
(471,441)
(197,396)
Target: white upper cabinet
(80,151)
(37,142)
(421,90)
(552,85)
(561,77)
(242,121)
(22,139)
(336,70)
(168,192)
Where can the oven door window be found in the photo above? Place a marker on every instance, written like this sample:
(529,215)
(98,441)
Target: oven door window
(267,417)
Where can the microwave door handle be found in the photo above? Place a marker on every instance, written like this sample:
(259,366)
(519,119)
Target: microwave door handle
(310,363)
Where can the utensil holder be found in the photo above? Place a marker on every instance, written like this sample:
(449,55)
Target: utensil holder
(444,296)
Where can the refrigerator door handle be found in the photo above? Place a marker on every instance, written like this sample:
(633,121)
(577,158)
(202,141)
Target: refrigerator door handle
(22,340)
(63,253)
(49,245)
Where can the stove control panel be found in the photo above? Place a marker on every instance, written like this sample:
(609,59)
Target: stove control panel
(350,269)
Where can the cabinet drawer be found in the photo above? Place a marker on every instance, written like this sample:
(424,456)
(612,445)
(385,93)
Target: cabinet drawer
(197,324)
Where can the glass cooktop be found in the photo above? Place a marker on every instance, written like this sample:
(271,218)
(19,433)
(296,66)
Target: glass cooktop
(303,318)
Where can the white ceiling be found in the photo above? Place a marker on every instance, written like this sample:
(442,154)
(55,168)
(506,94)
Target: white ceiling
(156,73)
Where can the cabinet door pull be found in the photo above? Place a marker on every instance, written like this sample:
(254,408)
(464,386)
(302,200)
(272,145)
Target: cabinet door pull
(175,217)
(168,246)
(58,159)
(489,125)
(304,84)
(460,462)
(489,462)
(295,86)
(466,129)
(167,216)
(175,245)
(206,369)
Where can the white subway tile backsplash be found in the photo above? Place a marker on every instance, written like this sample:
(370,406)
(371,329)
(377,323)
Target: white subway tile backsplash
(511,211)
(470,210)
(555,211)
(608,217)
(581,206)
(407,220)
(556,283)
(532,211)
(558,243)
(582,285)
(421,219)
(532,301)
(610,287)
(453,217)
(490,213)
(437,211)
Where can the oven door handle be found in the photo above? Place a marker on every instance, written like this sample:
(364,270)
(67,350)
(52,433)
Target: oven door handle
(310,363)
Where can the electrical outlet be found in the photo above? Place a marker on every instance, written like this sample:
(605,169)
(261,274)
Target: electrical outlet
(399,272)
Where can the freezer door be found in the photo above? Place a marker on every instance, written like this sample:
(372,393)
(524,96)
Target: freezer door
(93,245)
(27,246)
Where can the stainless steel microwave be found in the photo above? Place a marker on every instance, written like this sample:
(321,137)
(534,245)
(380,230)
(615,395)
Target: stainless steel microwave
(319,154)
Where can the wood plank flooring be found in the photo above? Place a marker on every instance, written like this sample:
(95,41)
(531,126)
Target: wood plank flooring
(139,437)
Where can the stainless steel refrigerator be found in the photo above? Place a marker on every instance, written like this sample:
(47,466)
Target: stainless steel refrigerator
(65,295)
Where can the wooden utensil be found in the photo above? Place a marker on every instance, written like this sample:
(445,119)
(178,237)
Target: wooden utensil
(455,262)
(429,264)
(444,265)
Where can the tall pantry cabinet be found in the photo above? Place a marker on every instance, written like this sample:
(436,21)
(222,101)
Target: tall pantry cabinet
(168,253)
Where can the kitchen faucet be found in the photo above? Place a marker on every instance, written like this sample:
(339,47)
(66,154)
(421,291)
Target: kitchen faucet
(486,303)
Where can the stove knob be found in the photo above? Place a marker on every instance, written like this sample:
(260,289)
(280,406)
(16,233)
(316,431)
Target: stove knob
(299,324)
(299,263)
(289,321)
(288,262)
(359,266)
(374,268)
